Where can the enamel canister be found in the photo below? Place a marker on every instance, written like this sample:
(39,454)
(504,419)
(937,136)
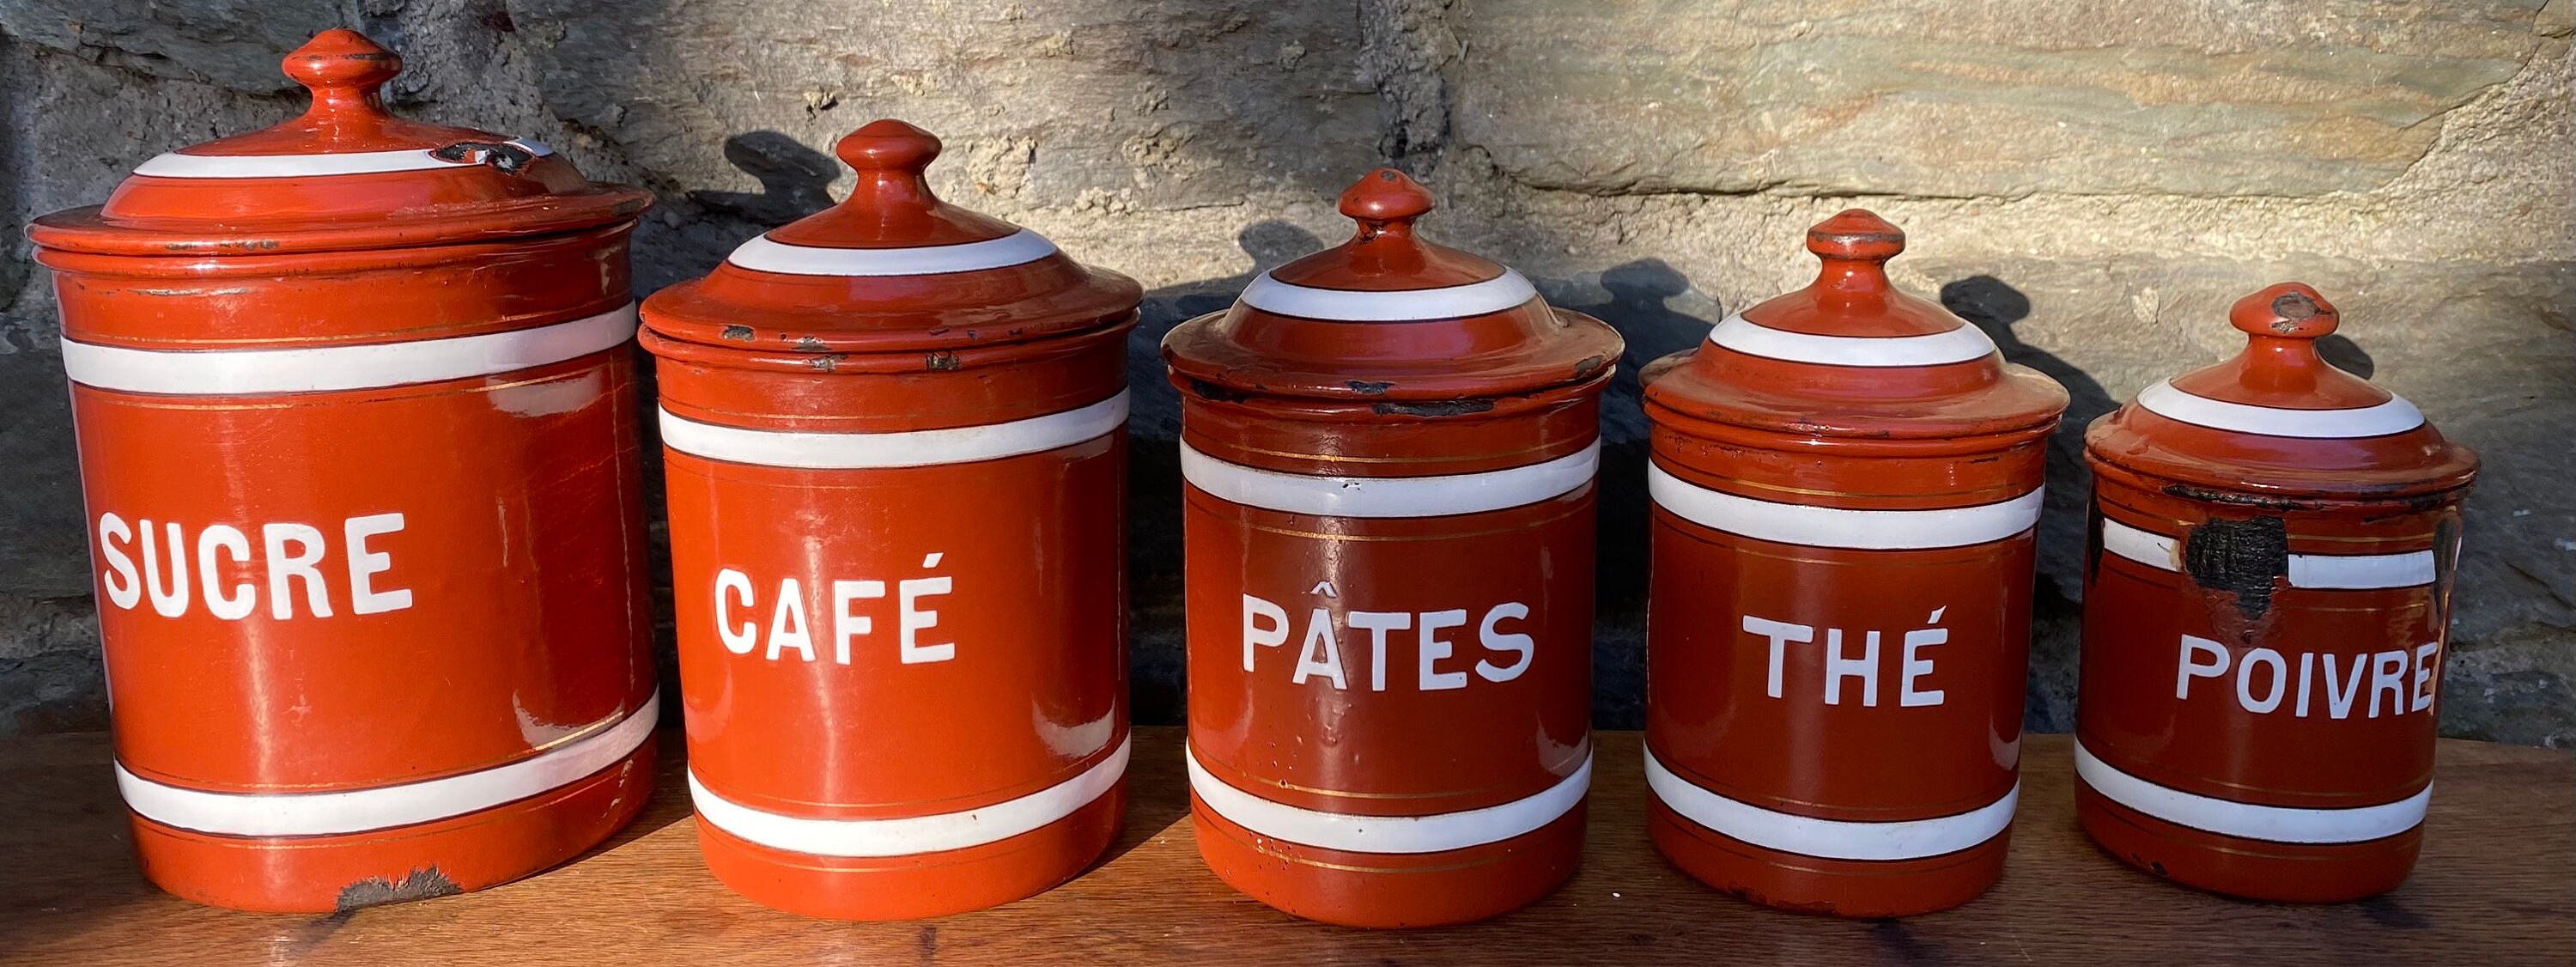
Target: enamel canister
(1845,483)
(895,442)
(358,439)
(2267,599)
(1389,450)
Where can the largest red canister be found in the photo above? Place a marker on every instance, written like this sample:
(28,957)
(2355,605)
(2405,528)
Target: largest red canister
(895,436)
(2267,599)
(1845,480)
(358,441)
(1389,450)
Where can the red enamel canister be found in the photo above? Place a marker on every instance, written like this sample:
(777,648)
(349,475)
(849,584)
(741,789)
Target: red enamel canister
(1389,450)
(358,441)
(2267,599)
(1845,482)
(895,436)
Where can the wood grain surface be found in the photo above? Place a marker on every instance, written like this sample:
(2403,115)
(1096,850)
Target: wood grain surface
(2497,886)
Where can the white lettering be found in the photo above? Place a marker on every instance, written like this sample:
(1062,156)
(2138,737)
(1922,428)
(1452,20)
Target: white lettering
(2388,675)
(245,596)
(2428,657)
(364,565)
(846,625)
(1907,695)
(1513,642)
(1838,668)
(2216,666)
(739,640)
(911,618)
(1781,633)
(2245,680)
(1322,654)
(125,594)
(1433,649)
(2339,697)
(173,602)
(1255,636)
(787,626)
(284,567)
(1378,624)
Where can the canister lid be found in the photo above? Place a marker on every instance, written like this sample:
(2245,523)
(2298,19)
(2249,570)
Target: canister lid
(1850,356)
(2278,417)
(1389,316)
(344,175)
(892,268)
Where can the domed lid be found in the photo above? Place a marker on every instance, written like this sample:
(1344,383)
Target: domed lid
(1389,316)
(892,268)
(344,175)
(1850,356)
(2278,417)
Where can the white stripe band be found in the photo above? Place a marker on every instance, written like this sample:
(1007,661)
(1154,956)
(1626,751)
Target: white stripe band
(909,448)
(1355,833)
(177,165)
(1831,839)
(1496,294)
(1871,530)
(2349,572)
(2394,416)
(229,372)
(1751,338)
(765,255)
(2278,824)
(385,807)
(1465,493)
(910,835)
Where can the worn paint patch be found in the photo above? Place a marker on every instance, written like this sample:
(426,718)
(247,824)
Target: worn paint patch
(425,883)
(1368,388)
(1433,408)
(738,333)
(940,361)
(2241,558)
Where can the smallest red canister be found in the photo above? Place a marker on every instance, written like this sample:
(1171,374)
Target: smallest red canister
(2267,600)
(1846,483)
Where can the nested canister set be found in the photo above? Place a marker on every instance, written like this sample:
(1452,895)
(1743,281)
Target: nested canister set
(358,427)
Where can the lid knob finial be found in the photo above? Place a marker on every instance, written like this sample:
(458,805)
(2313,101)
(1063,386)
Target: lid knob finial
(1386,195)
(888,145)
(1856,235)
(343,69)
(2289,310)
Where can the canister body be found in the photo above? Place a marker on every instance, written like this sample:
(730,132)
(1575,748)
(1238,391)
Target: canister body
(2257,710)
(1837,637)
(369,538)
(1389,651)
(902,618)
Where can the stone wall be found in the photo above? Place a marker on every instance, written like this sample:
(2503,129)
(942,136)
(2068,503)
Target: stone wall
(2091,181)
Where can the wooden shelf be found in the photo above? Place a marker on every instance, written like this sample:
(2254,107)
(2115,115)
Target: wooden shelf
(2497,886)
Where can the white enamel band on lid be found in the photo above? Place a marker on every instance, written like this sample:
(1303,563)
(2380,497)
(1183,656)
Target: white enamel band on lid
(1496,294)
(1831,839)
(908,835)
(2278,824)
(2347,572)
(385,807)
(907,448)
(226,372)
(1754,339)
(2394,416)
(1872,530)
(178,165)
(1465,493)
(765,255)
(1350,832)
